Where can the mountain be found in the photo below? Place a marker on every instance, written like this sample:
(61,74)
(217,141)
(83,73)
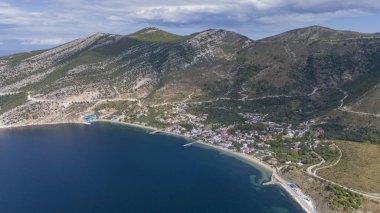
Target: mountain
(292,77)
(154,34)
(315,33)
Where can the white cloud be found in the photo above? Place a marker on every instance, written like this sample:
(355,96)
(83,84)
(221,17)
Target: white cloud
(49,41)
(263,4)
(179,14)
(54,22)
(115,18)
(12,15)
(310,17)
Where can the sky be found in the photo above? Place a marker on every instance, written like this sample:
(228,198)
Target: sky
(39,24)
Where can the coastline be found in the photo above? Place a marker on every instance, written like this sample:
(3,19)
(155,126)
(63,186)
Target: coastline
(275,178)
(242,156)
(125,124)
(44,124)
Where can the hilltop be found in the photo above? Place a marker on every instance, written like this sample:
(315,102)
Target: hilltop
(294,76)
(277,98)
(154,34)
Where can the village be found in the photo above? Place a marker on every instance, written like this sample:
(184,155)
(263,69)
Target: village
(276,144)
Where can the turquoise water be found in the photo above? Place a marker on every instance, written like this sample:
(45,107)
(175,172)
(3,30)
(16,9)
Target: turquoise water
(113,168)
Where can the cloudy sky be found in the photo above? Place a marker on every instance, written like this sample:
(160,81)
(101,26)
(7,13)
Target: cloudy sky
(35,24)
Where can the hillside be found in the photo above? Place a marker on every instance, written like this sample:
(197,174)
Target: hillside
(360,159)
(292,77)
(153,34)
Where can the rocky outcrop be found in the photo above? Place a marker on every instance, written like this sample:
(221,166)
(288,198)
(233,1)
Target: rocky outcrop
(212,64)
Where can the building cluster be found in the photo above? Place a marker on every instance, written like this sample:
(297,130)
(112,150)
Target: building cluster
(255,140)
(252,142)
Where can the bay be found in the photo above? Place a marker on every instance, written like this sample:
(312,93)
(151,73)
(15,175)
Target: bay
(107,167)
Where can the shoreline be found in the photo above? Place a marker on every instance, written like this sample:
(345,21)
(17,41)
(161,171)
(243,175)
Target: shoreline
(242,156)
(43,124)
(275,178)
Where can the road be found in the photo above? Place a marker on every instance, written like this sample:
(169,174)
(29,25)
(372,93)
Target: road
(346,109)
(344,98)
(296,193)
(310,171)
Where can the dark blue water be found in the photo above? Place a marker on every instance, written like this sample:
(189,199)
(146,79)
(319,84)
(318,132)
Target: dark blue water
(112,168)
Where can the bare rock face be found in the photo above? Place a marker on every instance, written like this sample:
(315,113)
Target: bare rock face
(158,66)
(316,33)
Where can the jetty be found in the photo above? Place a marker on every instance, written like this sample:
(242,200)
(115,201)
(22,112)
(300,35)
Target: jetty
(271,182)
(155,132)
(189,144)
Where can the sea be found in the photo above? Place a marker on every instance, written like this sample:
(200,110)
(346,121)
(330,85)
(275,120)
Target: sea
(108,168)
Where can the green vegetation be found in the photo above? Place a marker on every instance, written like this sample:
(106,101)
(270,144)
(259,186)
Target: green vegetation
(364,68)
(87,58)
(329,153)
(157,35)
(335,130)
(237,146)
(217,115)
(119,106)
(8,102)
(215,88)
(358,168)
(21,56)
(361,85)
(123,44)
(243,127)
(155,88)
(342,199)
(282,109)
(368,80)
(284,151)
(244,73)
(150,118)
(187,126)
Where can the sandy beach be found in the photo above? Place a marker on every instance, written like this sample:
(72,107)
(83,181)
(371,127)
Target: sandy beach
(240,155)
(276,179)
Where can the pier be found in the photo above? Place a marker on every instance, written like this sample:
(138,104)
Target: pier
(189,144)
(155,132)
(271,182)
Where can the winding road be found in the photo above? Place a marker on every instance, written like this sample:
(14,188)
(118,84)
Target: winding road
(347,109)
(310,171)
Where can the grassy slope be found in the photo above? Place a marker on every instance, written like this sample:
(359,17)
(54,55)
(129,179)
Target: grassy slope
(156,35)
(369,103)
(359,167)
(21,56)
(8,102)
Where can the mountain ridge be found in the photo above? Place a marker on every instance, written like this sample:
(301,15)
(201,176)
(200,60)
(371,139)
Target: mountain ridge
(279,97)
(212,64)
(315,33)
